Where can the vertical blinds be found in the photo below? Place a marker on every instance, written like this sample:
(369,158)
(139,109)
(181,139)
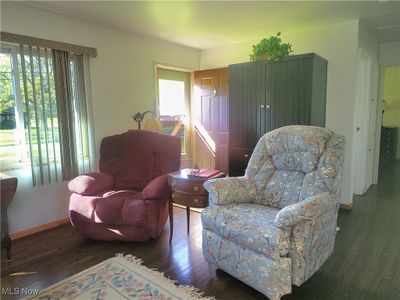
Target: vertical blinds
(40,117)
(56,113)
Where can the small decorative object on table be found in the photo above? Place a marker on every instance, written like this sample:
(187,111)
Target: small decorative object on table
(187,190)
(205,173)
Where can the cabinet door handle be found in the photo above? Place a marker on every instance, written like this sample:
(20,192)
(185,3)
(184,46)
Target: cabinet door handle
(196,200)
(268,106)
(262,106)
(195,189)
(246,155)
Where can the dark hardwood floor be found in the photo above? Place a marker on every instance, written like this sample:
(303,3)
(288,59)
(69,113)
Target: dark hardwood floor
(365,264)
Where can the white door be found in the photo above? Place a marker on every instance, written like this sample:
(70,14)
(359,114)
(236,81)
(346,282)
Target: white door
(364,112)
(373,115)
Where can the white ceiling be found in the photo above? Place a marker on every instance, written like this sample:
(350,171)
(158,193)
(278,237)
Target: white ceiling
(207,24)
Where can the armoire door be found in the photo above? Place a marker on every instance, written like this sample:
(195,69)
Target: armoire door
(244,117)
(288,93)
(244,94)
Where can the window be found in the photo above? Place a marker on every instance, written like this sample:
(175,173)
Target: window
(11,154)
(173,95)
(29,109)
(18,146)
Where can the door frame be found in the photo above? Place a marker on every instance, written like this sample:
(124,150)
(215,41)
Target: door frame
(186,159)
(362,122)
(382,68)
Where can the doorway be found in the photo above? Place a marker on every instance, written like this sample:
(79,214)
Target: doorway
(366,107)
(390,130)
(173,107)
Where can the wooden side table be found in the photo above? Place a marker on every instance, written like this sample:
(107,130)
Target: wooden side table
(8,187)
(188,192)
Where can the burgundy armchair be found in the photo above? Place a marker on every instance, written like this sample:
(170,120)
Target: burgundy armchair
(128,199)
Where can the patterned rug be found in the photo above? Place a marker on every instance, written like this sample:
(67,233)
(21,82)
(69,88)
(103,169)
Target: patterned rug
(120,277)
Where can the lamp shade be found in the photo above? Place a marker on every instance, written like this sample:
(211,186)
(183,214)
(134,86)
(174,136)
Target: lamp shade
(152,123)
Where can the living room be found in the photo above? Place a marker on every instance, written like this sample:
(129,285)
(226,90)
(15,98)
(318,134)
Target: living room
(135,39)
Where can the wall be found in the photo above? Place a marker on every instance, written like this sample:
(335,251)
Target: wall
(391,94)
(123,82)
(338,44)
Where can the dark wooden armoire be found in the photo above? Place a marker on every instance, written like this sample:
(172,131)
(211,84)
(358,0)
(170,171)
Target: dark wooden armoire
(266,95)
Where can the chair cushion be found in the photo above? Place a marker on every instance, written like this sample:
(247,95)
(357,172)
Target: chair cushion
(136,157)
(282,189)
(297,148)
(122,207)
(249,225)
(91,183)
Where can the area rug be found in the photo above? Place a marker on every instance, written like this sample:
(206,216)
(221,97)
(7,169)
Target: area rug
(120,277)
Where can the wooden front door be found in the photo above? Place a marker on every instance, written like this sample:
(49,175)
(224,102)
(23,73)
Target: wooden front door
(211,111)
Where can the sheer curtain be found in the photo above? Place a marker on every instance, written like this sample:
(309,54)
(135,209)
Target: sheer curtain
(55,91)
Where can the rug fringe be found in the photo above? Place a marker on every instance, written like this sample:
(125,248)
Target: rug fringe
(194,292)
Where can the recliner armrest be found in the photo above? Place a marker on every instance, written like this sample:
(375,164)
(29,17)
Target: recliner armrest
(306,210)
(158,188)
(91,183)
(223,191)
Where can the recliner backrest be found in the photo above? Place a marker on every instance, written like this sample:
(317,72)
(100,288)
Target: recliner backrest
(135,157)
(294,162)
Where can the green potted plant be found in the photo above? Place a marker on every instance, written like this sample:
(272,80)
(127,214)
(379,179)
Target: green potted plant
(271,49)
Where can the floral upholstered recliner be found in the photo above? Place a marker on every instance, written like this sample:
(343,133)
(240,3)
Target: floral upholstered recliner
(276,225)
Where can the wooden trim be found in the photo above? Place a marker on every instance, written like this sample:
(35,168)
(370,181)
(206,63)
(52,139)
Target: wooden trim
(173,68)
(346,206)
(37,229)
(34,41)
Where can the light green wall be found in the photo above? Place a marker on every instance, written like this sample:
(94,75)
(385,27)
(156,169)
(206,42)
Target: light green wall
(391,94)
